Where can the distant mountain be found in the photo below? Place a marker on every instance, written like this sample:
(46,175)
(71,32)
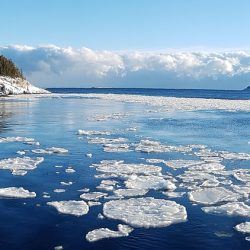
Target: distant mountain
(247,88)
(12,80)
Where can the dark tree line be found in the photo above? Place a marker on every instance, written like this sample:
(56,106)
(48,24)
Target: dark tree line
(8,68)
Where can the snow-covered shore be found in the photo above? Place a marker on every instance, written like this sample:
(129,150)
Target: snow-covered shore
(16,86)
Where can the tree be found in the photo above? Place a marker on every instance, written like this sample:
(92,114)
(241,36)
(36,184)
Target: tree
(8,68)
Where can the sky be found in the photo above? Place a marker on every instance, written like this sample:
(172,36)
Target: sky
(129,43)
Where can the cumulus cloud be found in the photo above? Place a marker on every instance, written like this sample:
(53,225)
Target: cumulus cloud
(52,66)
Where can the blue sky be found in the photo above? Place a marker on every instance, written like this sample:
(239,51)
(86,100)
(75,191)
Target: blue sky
(127,24)
(126,28)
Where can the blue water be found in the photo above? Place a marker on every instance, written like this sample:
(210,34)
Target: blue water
(190,93)
(31,224)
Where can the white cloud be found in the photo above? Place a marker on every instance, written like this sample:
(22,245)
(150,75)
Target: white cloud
(54,66)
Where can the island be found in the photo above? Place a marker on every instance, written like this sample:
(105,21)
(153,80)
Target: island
(247,88)
(13,82)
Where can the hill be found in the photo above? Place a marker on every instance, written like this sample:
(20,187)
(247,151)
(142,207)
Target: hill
(12,80)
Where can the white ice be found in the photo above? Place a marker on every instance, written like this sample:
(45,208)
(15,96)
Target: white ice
(145,212)
(14,192)
(94,196)
(20,166)
(104,233)
(210,196)
(77,208)
(230,209)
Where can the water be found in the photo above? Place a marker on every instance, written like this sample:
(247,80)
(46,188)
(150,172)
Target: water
(32,224)
(189,93)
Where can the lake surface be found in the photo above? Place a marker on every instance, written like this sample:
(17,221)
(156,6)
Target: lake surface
(207,135)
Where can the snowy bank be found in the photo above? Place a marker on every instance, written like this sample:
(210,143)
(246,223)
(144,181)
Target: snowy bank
(15,86)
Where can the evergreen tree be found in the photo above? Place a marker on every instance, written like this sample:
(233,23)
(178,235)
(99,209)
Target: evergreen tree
(8,68)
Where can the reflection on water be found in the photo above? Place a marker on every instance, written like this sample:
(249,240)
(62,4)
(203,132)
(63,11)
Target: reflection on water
(54,122)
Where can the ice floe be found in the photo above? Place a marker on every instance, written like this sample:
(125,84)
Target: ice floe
(130,192)
(119,167)
(210,196)
(69,170)
(149,182)
(230,209)
(14,192)
(52,150)
(104,233)
(243,227)
(145,212)
(174,103)
(92,132)
(72,207)
(102,140)
(16,139)
(20,166)
(59,190)
(112,148)
(94,196)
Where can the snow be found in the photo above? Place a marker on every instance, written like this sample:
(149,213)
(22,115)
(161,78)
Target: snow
(230,209)
(72,207)
(104,233)
(15,86)
(20,166)
(210,196)
(145,212)
(14,192)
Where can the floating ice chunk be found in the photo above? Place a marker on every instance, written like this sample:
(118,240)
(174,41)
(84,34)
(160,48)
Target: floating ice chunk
(52,150)
(242,175)
(16,139)
(210,196)
(130,192)
(58,248)
(20,166)
(244,190)
(107,185)
(208,167)
(59,190)
(89,155)
(149,182)
(148,146)
(104,233)
(172,194)
(176,164)
(66,183)
(210,183)
(69,170)
(100,216)
(46,196)
(112,148)
(92,132)
(21,152)
(77,208)
(243,227)
(94,203)
(135,129)
(231,209)
(94,196)
(145,212)
(114,116)
(119,167)
(84,190)
(101,140)
(14,192)
(234,156)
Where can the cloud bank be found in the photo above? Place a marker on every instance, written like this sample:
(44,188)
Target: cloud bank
(51,66)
